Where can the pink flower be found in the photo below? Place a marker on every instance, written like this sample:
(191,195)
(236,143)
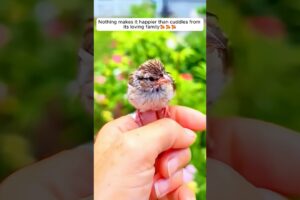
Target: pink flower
(55,29)
(187,76)
(120,77)
(118,74)
(100,98)
(117,58)
(267,25)
(100,79)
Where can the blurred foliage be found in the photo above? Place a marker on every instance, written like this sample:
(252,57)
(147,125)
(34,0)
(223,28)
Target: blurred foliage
(183,56)
(117,54)
(182,59)
(201,10)
(39,112)
(266,66)
(287,10)
(144,10)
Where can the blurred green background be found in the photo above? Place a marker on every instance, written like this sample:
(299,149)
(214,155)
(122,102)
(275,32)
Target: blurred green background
(265,44)
(266,65)
(117,54)
(39,106)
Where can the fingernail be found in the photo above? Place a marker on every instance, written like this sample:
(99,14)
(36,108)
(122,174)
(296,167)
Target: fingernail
(172,166)
(187,176)
(190,133)
(161,188)
(191,168)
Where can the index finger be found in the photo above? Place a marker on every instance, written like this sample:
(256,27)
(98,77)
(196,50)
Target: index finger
(185,116)
(188,117)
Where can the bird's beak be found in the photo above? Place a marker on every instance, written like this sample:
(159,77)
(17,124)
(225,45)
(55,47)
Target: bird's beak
(162,81)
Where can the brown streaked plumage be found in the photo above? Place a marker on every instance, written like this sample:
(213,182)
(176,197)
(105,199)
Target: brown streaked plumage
(150,87)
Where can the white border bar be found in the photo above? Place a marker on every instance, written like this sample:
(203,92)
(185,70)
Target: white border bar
(149,24)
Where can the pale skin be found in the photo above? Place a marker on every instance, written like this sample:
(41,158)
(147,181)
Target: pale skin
(53,178)
(265,154)
(66,175)
(127,155)
(247,158)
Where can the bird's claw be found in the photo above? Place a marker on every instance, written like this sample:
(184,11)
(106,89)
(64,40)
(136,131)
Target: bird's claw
(143,118)
(138,118)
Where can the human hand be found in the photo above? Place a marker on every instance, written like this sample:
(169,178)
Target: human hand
(263,153)
(126,157)
(66,175)
(229,184)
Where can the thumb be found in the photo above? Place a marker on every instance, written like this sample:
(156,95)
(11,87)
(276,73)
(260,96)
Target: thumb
(113,130)
(118,126)
(160,136)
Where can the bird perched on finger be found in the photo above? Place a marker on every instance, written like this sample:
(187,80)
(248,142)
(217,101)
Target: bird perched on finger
(150,88)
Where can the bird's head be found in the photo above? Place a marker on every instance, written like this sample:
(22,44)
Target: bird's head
(151,77)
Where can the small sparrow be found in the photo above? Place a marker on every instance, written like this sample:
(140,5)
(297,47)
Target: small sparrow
(150,88)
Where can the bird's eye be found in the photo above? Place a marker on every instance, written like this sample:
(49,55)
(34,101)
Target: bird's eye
(151,78)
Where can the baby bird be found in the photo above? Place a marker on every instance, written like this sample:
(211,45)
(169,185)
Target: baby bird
(150,88)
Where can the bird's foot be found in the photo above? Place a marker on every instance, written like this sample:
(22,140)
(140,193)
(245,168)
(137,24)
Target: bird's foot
(143,118)
(166,111)
(138,118)
(163,113)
